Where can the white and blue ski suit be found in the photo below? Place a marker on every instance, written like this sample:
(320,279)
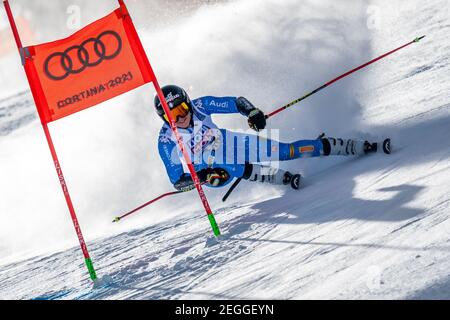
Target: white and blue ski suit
(211,147)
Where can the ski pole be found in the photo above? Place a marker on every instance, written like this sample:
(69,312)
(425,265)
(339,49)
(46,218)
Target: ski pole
(225,197)
(339,78)
(117,219)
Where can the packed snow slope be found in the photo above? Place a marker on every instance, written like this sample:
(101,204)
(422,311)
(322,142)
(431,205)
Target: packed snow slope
(370,228)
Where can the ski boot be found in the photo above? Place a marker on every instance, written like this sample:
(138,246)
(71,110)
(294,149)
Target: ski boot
(350,147)
(292,179)
(260,173)
(374,147)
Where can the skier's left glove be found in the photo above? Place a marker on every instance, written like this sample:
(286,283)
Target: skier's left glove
(257,120)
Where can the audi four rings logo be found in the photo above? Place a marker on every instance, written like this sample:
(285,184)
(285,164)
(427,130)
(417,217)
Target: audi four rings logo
(84,59)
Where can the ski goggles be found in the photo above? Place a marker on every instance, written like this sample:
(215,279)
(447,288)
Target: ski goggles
(181,110)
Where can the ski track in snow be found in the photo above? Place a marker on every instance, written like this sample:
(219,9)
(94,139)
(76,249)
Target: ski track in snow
(371,228)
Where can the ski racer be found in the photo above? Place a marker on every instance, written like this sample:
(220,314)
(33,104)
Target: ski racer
(219,155)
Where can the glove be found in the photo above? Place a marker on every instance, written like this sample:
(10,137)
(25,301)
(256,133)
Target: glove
(216,177)
(184,184)
(257,120)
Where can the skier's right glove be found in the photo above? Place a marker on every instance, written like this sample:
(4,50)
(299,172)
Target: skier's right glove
(184,184)
(214,177)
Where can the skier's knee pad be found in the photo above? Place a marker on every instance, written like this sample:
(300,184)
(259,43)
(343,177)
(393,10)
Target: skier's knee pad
(247,171)
(326,147)
(259,173)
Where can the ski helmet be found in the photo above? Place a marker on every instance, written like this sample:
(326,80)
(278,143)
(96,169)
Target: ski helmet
(175,96)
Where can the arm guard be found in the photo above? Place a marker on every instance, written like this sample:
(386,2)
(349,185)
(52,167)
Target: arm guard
(244,106)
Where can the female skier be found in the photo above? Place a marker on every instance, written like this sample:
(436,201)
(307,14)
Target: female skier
(219,155)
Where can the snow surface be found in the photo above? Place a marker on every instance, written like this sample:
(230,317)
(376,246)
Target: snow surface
(370,228)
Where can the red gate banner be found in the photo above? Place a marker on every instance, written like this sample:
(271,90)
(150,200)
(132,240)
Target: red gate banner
(101,61)
(97,63)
